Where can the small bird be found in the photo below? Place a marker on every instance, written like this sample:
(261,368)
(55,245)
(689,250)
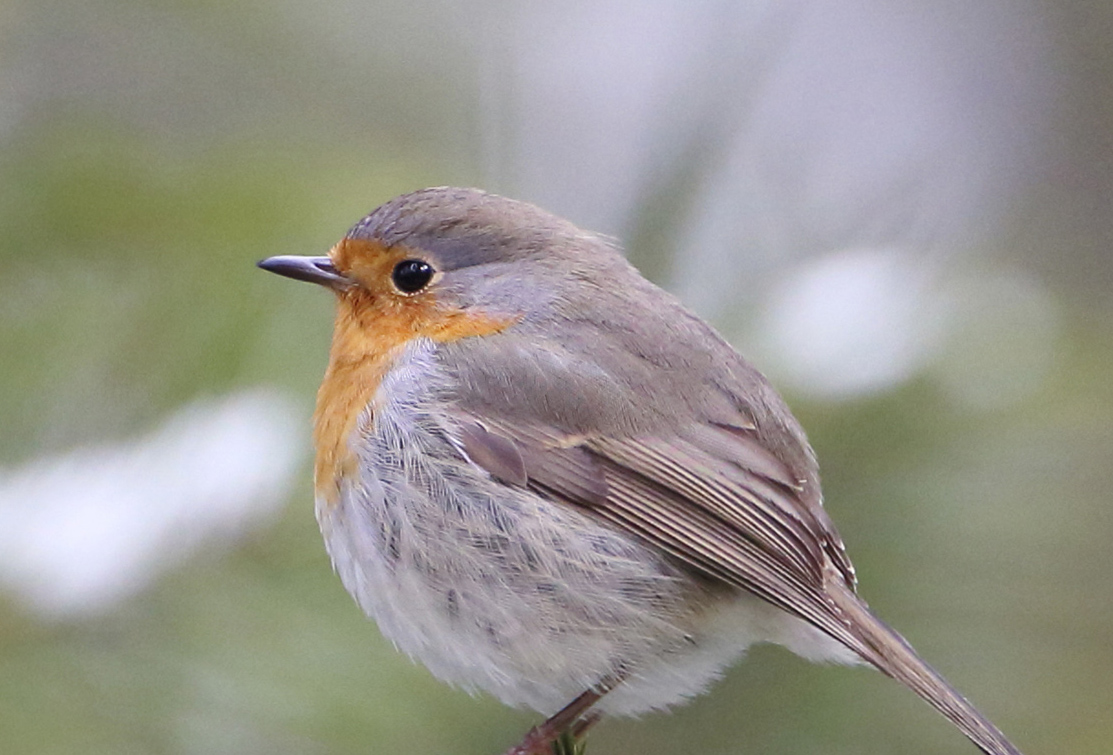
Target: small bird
(544,478)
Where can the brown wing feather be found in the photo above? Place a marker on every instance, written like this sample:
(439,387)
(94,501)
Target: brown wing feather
(733,514)
(733,495)
(723,519)
(741,450)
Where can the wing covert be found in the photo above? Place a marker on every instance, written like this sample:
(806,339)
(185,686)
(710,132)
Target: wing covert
(736,521)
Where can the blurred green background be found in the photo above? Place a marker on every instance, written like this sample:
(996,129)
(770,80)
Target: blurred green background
(936,179)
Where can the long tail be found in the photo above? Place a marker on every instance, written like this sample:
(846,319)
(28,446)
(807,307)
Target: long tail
(894,657)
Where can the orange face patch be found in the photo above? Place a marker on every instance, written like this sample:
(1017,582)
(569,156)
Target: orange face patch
(374,322)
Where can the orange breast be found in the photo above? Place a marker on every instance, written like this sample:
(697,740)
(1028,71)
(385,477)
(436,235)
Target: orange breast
(374,323)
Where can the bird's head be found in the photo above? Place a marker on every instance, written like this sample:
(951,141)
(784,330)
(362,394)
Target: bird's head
(448,262)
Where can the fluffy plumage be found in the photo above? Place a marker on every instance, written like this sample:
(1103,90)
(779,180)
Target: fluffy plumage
(542,475)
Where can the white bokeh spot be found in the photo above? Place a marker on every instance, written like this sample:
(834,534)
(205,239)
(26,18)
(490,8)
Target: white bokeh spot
(85,530)
(851,323)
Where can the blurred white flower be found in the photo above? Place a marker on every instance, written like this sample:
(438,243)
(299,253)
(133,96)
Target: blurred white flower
(82,531)
(851,323)
(861,321)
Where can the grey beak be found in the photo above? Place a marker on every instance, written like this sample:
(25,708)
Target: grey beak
(317,270)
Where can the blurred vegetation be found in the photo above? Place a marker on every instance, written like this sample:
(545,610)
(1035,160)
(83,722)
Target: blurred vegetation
(127,287)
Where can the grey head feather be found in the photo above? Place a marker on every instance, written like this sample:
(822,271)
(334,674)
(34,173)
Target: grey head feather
(466,227)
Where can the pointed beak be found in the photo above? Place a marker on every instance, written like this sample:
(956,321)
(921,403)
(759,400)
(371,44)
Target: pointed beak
(317,270)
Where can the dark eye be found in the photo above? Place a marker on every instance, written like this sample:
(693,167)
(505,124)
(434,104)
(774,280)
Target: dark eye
(410,276)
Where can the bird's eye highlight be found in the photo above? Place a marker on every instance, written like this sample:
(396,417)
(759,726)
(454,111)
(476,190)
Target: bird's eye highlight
(410,276)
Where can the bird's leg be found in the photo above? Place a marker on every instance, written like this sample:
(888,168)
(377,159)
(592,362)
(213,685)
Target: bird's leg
(573,718)
(538,740)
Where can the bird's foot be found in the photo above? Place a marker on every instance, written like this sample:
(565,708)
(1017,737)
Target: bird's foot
(548,739)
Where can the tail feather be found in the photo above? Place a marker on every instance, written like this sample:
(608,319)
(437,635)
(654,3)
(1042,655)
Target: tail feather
(894,657)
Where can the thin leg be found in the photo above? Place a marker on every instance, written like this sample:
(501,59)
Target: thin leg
(571,717)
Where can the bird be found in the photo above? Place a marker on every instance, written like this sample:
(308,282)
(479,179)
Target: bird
(545,478)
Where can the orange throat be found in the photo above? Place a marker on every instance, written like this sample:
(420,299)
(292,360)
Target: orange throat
(372,330)
(348,388)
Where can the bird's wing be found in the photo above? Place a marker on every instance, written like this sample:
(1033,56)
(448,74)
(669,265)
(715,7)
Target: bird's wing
(712,497)
(709,496)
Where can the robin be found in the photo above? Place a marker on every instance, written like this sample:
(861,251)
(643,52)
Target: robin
(543,477)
